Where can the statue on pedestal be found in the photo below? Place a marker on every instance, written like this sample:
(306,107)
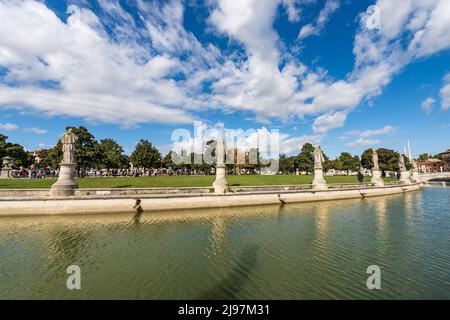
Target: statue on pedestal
(220,185)
(6,171)
(404,174)
(66,185)
(319,180)
(401,163)
(377,179)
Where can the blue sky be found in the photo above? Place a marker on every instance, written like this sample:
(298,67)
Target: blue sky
(313,70)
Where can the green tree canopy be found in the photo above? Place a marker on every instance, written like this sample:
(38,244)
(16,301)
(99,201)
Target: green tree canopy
(14,150)
(145,155)
(387,159)
(305,159)
(349,162)
(111,154)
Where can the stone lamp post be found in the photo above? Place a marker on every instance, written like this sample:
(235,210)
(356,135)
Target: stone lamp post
(66,185)
(377,180)
(221,183)
(7,168)
(319,182)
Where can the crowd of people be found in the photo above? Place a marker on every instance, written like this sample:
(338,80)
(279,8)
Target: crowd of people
(36,173)
(143,172)
(129,172)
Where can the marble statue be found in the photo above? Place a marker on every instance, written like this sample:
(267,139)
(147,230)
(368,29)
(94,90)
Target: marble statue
(401,163)
(319,182)
(66,185)
(220,185)
(375,160)
(68,141)
(318,157)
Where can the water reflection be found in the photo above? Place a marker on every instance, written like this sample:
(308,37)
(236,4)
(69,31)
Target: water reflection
(308,250)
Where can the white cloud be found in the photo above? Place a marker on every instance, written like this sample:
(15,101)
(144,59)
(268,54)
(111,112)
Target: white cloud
(329,121)
(8,126)
(444,93)
(158,73)
(364,136)
(385,130)
(315,29)
(35,130)
(361,142)
(427,104)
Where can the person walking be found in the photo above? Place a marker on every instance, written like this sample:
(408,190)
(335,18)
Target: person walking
(360,177)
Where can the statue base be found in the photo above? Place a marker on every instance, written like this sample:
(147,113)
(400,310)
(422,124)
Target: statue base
(377,180)
(319,182)
(6,173)
(66,185)
(415,177)
(404,177)
(221,183)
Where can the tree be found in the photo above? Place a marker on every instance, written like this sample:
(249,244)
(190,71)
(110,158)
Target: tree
(287,164)
(50,158)
(424,156)
(110,153)
(86,149)
(349,162)
(14,150)
(145,155)
(366,159)
(305,159)
(387,159)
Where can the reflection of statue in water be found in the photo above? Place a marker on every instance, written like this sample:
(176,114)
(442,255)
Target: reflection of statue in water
(375,160)
(318,157)
(401,163)
(68,141)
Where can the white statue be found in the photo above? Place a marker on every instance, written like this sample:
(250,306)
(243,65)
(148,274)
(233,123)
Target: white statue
(401,163)
(318,157)
(375,161)
(68,141)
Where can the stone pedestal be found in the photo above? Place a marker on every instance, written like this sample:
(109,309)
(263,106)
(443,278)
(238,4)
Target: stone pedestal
(404,177)
(66,185)
(319,182)
(377,179)
(221,183)
(6,173)
(7,168)
(415,177)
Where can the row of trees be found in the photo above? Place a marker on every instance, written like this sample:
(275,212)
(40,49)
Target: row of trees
(107,153)
(304,161)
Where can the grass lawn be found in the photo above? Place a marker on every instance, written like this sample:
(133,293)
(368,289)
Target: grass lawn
(174,181)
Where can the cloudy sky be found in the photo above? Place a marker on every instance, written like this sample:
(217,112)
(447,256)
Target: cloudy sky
(318,71)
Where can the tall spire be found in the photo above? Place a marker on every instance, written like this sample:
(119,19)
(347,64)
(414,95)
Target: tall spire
(409,152)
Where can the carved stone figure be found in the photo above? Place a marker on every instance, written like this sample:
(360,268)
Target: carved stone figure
(318,157)
(401,163)
(66,185)
(375,160)
(68,141)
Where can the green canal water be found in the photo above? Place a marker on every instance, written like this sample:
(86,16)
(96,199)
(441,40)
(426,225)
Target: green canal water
(306,251)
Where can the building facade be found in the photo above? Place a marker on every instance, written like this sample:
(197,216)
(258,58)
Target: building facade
(446,160)
(430,166)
